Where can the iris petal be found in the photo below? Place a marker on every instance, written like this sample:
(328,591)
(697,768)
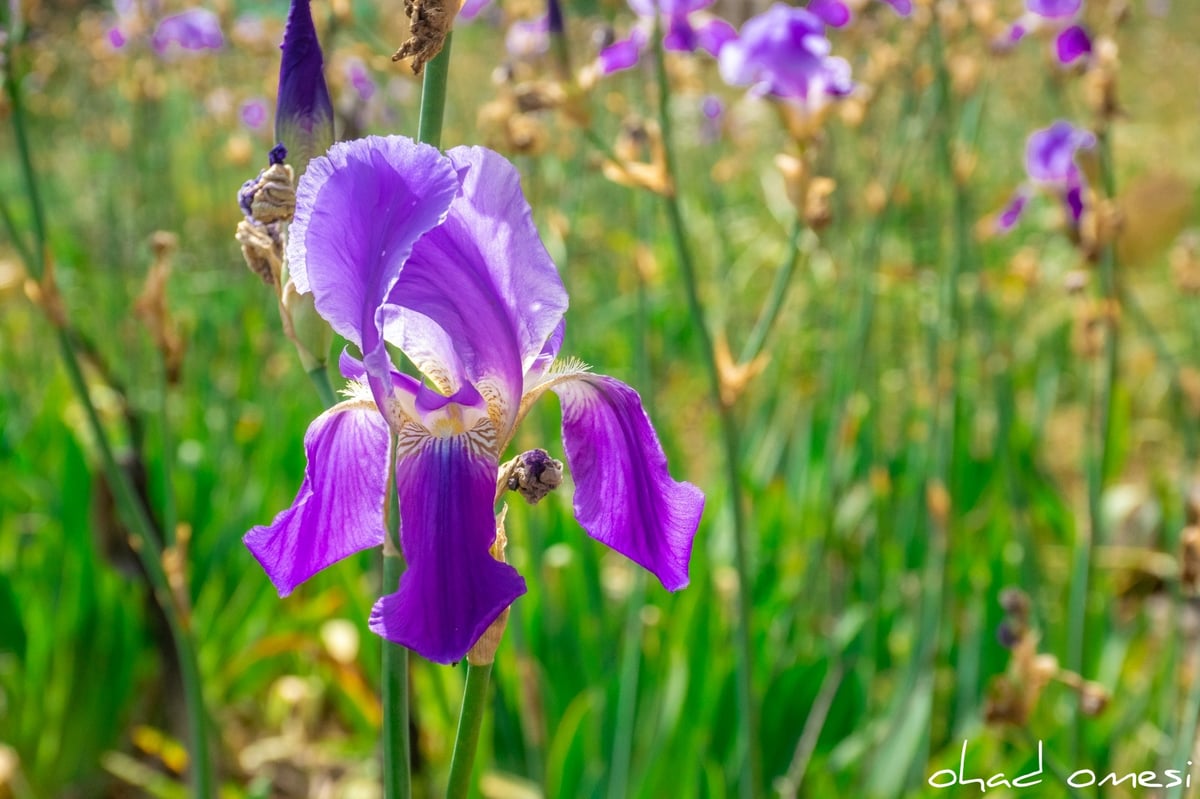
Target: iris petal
(359,211)
(339,509)
(479,297)
(624,495)
(1071,44)
(453,588)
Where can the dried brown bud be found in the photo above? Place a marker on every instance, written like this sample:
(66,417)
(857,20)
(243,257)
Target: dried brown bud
(430,22)
(151,309)
(532,474)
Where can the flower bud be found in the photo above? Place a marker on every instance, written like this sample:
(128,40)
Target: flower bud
(303,112)
(305,328)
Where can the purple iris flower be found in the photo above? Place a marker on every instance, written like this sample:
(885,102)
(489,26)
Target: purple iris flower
(686,28)
(783,52)
(1050,164)
(836,13)
(303,111)
(1071,40)
(194,29)
(437,254)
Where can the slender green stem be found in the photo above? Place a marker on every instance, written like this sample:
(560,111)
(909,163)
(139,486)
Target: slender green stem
(775,299)
(470,720)
(748,715)
(320,381)
(433,97)
(14,236)
(397,779)
(17,113)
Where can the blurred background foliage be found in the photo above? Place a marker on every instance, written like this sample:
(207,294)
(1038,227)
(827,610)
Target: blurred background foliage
(896,486)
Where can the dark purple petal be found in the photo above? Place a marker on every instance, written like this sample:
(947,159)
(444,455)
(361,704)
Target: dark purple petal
(359,211)
(479,296)
(339,509)
(452,588)
(194,29)
(1050,152)
(303,111)
(1071,44)
(622,54)
(1007,219)
(1073,200)
(713,35)
(624,495)
(1054,9)
(680,36)
(833,13)
(554,17)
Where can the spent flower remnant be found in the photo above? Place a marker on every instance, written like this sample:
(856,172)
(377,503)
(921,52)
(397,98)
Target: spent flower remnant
(1059,18)
(784,53)
(1050,164)
(437,254)
(686,28)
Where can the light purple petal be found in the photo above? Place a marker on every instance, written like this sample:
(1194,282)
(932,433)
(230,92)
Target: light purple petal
(902,7)
(359,211)
(1054,9)
(833,13)
(1050,152)
(471,8)
(253,113)
(784,52)
(452,588)
(528,39)
(339,509)
(624,495)
(622,54)
(713,35)
(194,29)
(1071,44)
(479,296)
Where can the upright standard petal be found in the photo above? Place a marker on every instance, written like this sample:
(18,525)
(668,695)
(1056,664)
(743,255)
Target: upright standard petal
(339,509)
(359,211)
(453,588)
(479,296)
(303,111)
(624,495)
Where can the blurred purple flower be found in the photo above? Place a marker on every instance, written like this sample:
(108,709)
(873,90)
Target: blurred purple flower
(194,29)
(1050,165)
(836,13)
(528,39)
(254,113)
(359,78)
(714,115)
(303,110)
(1071,40)
(686,28)
(783,52)
(437,254)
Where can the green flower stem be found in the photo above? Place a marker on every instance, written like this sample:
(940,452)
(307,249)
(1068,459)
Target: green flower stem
(748,710)
(470,719)
(320,381)
(433,97)
(775,299)
(133,511)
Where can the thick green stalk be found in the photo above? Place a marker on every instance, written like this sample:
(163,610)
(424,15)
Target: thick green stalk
(748,715)
(470,719)
(433,97)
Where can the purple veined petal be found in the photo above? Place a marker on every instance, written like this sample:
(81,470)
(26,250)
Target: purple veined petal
(339,509)
(624,495)
(194,29)
(621,54)
(479,296)
(1007,219)
(359,211)
(1050,152)
(1072,43)
(902,7)
(714,34)
(471,8)
(1054,9)
(833,13)
(453,588)
(303,111)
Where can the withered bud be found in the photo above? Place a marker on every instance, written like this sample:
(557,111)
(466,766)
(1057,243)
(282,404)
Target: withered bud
(430,22)
(151,309)
(1189,558)
(1093,698)
(262,248)
(532,474)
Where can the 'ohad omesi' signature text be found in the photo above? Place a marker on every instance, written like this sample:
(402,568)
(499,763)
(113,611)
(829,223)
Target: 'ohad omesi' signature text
(1080,778)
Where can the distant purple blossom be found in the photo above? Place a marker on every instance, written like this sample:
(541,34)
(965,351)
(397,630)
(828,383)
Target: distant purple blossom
(527,39)
(685,25)
(783,53)
(359,78)
(714,115)
(835,13)
(254,113)
(437,255)
(191,30)
(1051,167)
(1060,18)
